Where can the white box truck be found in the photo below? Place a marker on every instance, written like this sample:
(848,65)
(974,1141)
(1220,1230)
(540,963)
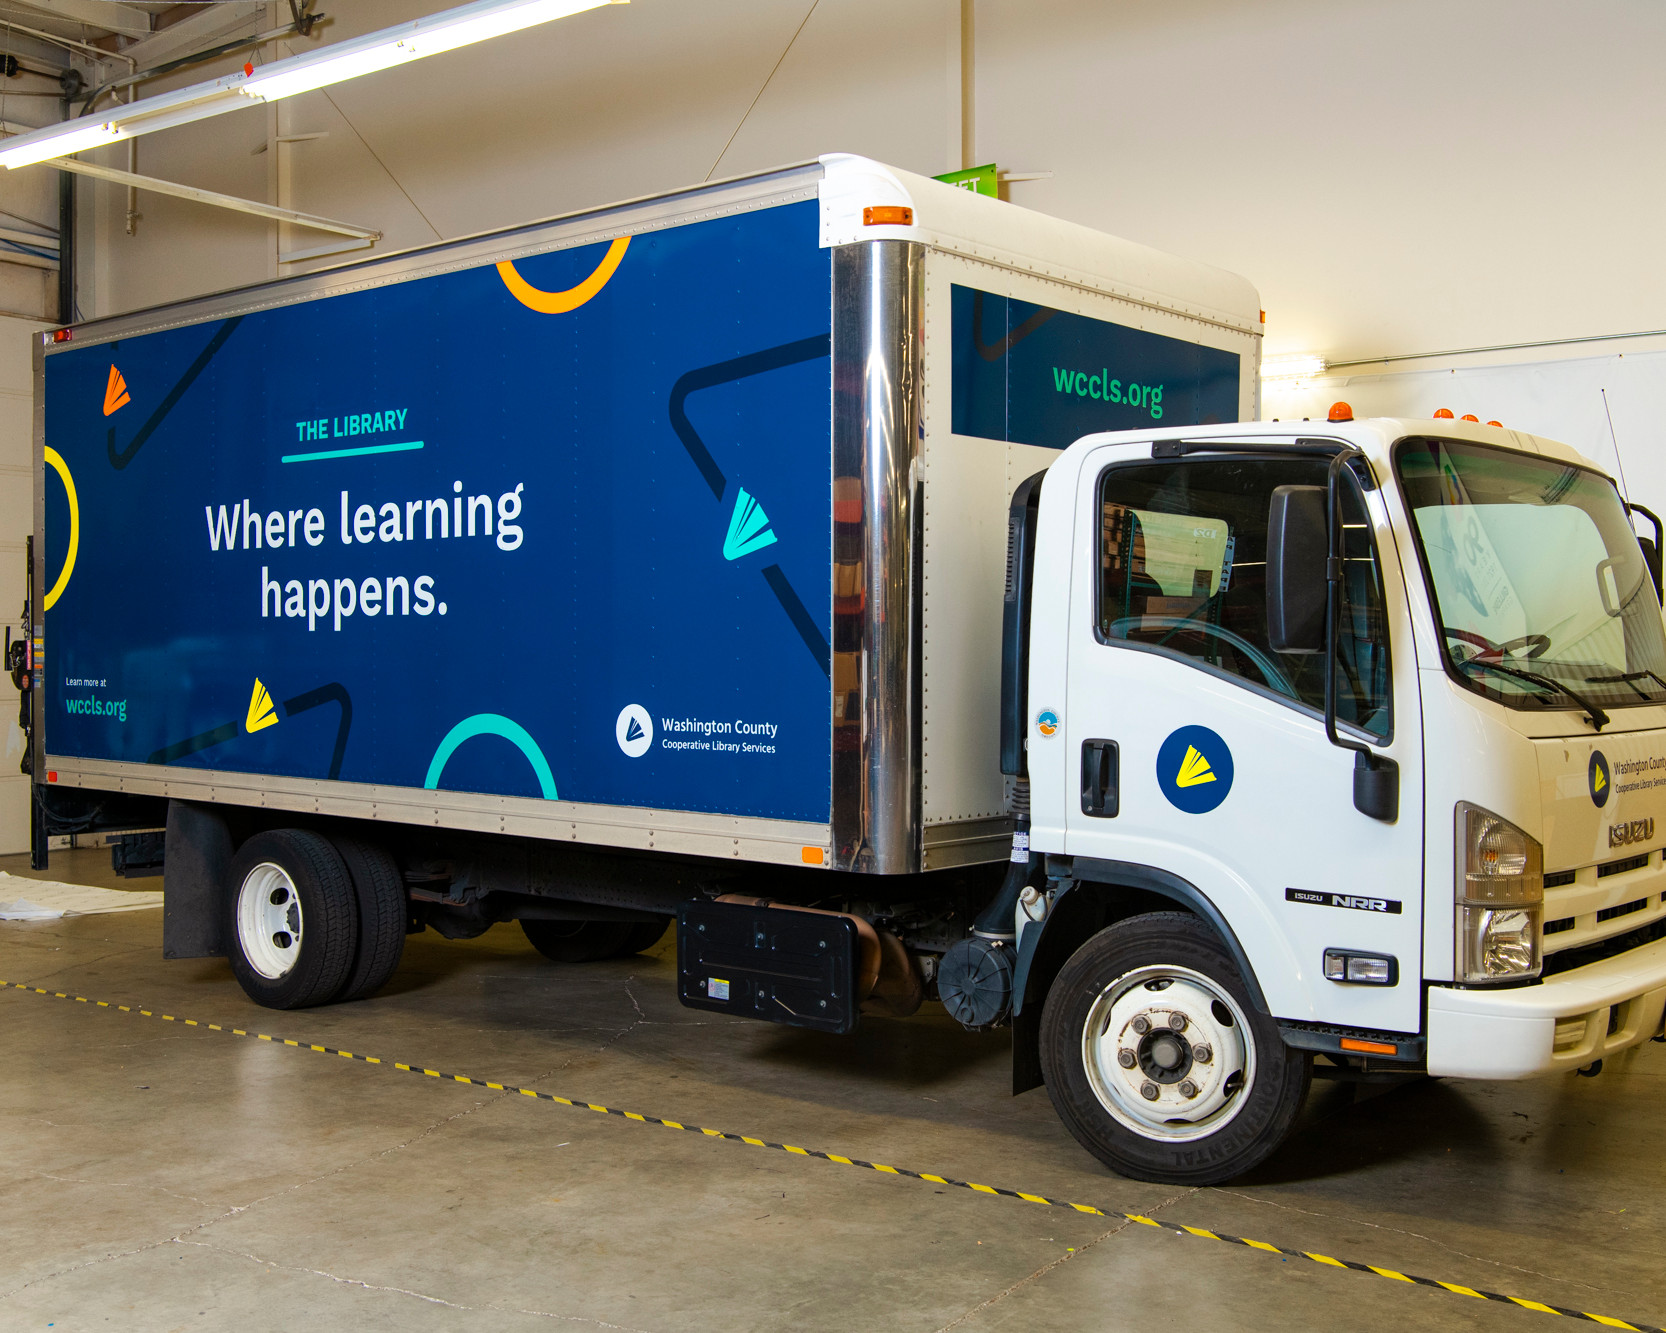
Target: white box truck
(881,582)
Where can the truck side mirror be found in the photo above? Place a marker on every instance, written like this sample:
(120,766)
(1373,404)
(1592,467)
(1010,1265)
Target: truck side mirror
(1651,561)
(1650,546)
(1296,552)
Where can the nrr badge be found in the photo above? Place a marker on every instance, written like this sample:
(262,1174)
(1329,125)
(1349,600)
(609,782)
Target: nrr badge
(1047,722)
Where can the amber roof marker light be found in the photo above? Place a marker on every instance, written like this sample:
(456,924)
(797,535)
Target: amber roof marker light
(888,215)
(1341,412)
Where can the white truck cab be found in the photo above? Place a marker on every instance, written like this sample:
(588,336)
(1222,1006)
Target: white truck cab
(1342,739)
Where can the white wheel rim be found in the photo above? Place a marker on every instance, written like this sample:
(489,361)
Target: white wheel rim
(1173,1091)
(269,921)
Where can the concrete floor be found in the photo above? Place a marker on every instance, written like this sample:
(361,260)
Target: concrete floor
(155,1176)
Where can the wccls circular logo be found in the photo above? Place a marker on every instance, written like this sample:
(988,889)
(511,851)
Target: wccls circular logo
(1600,778)
(1194,769)
(634,730)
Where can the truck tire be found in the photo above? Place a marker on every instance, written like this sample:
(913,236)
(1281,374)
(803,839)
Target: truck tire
(643,936)
(1158,1062)
(291,920)
(577,941)
(380,892)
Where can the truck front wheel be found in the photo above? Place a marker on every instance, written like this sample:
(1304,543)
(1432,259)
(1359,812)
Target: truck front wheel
(294,922)
(1157,1061)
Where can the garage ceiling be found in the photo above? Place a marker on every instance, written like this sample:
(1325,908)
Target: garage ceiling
(148,31)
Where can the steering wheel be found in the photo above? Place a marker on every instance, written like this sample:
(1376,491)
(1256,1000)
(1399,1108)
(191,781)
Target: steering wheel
(1269,669)
(1536,644)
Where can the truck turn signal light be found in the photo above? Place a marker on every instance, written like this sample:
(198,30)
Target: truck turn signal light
(1369,1047)
(888,215)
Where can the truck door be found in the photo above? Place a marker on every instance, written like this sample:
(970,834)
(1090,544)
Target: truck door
(1202,751)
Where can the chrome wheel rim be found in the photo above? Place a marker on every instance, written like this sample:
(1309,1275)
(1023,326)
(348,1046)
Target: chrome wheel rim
(269,921)
(1168,1053)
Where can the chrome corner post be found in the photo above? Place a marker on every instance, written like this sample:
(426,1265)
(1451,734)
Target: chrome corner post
(878,333)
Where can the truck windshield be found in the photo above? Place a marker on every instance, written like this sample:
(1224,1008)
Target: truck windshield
(1540,590)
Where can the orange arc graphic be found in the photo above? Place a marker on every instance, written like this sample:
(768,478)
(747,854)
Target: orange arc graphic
(559,303)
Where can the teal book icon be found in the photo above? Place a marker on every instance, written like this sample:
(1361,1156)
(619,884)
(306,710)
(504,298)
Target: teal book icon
(749,529)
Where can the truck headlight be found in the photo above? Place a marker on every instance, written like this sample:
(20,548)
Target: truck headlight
(1500,898)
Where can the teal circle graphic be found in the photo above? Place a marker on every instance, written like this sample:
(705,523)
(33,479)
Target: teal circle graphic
(1194,769)
(492,724)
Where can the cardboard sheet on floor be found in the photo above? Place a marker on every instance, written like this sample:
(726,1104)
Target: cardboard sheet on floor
(24,899)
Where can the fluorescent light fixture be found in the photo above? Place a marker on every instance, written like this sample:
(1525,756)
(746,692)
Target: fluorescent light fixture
(445,31)
(1293,367)
(76,137)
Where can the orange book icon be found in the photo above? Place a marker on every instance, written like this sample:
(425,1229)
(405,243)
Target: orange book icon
(115,392)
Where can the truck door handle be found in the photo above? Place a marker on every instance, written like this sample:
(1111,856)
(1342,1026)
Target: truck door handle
(1100,765)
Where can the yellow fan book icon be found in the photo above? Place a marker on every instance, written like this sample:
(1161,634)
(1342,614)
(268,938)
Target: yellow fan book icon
(262,712)
(1598,781)
(1194,769)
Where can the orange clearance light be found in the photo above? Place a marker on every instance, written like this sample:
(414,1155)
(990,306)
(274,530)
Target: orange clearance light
(62,335)
(1341,412)
(1370,1047)
(1470,416)
(1499,424)
(1263,316)
(813,856)
(1443,414)
(888,215)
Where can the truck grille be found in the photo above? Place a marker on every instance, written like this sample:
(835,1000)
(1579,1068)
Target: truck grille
(1593,904)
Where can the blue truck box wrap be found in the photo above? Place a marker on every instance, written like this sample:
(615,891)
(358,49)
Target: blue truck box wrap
(555,528)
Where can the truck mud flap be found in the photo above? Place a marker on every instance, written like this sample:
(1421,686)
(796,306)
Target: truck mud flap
(782,966)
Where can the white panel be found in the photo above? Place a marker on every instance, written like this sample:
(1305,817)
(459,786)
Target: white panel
(1568,399)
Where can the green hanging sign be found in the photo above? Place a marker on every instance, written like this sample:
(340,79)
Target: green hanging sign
(979,180)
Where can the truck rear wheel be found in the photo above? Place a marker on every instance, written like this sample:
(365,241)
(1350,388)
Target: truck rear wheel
(1157,1061)
(577,941)
(293,922)
(380,894)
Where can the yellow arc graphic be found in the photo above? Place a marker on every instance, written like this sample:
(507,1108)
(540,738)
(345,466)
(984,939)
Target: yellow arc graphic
(55,461)
(559,303)
(1194,769)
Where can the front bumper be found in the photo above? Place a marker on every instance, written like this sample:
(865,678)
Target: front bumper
(1563,1023)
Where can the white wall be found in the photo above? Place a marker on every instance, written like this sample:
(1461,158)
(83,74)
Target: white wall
(1394,178)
